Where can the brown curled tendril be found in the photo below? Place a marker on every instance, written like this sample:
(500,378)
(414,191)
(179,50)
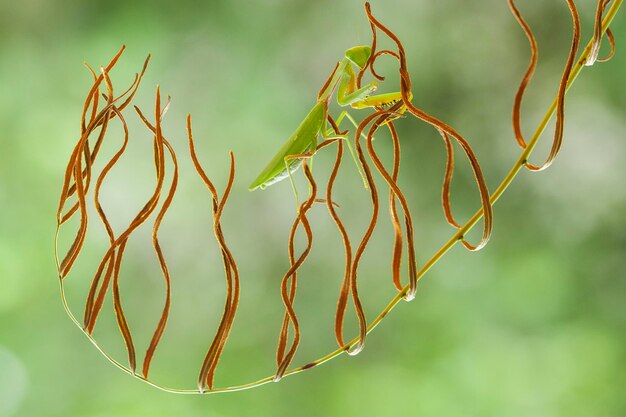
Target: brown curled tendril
(233,288)
(158,333)
(92,306)
(378,55)
(393,211)
(368,64)
(560,105)
(447,181)
(530,71)
(290,280)
(82,191)
(213,355)
(611,39)
(597,36)
(405,88)
(117,302)
(358,347)
(143,215)
(344,293)
(396,194)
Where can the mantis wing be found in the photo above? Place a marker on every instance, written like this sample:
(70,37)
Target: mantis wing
(302,140)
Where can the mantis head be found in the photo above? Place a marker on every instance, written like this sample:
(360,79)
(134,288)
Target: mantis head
(359,55)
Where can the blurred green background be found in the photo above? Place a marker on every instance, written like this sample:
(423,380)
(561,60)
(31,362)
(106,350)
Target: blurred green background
(532,325)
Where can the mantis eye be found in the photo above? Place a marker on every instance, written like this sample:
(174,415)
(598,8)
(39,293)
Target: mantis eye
(359,55)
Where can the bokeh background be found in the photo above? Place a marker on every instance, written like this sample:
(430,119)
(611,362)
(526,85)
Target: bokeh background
(532,325)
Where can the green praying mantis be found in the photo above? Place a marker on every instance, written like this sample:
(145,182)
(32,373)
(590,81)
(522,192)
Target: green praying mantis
(303,142)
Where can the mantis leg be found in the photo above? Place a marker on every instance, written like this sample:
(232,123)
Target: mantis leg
(347,92)
(287,160)
(384,101)
(293,184)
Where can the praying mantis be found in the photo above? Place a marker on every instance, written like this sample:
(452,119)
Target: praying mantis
(303,142)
